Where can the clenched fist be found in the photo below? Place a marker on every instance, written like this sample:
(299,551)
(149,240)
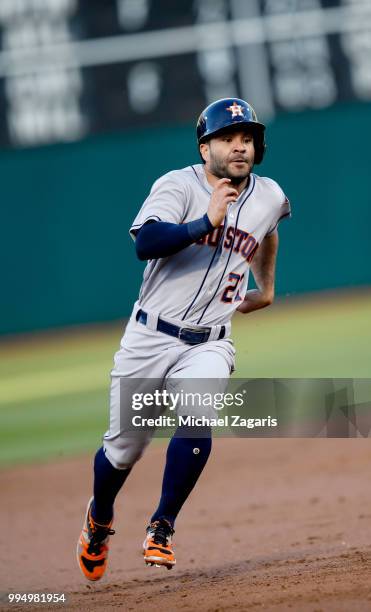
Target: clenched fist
(222,195)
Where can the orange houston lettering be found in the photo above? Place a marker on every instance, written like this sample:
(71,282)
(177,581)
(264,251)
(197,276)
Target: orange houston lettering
(249,248)
(213,237)
(241,235)
(252,253)
(229,237)
(242,242)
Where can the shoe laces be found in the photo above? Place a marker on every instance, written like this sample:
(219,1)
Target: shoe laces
(162,531)
(97,535)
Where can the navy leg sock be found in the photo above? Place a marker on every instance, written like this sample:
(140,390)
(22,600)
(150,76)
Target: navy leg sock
(186,457)
(107,483)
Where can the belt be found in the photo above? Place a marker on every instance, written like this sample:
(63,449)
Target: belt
(187,335)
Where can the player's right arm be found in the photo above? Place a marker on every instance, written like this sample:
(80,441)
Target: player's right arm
(156,238)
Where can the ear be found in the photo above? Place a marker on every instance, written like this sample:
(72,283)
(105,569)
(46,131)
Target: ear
(205,151)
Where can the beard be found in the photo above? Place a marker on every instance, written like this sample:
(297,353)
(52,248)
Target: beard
(220,168)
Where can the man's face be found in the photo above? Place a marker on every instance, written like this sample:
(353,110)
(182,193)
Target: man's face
(229,155)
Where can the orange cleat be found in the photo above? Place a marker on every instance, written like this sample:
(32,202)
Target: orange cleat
(157,545)
(92,546)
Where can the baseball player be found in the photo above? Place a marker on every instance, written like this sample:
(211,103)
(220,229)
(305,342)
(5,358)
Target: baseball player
(201,229)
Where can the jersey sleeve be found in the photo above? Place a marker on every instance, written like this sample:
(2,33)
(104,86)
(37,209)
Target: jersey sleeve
(284,211)
(166,202)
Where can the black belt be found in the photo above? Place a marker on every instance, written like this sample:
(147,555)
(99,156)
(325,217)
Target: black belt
(187,335)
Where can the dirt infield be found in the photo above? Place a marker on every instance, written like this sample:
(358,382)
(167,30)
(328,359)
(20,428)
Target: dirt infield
(274,525)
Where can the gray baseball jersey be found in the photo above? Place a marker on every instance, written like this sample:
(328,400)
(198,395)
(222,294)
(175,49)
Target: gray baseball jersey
(204,283)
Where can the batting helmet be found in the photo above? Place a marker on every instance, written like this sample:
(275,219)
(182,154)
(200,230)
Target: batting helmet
(227,113)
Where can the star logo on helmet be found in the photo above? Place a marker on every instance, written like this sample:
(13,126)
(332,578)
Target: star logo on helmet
(236,110)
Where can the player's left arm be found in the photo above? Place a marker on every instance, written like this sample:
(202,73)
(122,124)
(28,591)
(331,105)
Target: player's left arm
(263,267)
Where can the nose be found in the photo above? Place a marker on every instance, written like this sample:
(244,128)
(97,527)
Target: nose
(239,144)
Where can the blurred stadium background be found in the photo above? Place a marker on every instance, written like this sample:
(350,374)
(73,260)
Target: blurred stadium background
(98,99)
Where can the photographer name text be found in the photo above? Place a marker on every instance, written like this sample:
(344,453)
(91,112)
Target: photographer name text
(203,421)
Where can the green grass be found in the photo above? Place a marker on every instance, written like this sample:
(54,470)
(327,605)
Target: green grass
(54,388)
(52,427)
(321,338)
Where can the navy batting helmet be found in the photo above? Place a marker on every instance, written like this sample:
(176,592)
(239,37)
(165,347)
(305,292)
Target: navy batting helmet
(227,113)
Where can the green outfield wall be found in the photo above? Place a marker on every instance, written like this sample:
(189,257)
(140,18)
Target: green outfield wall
(66,254)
